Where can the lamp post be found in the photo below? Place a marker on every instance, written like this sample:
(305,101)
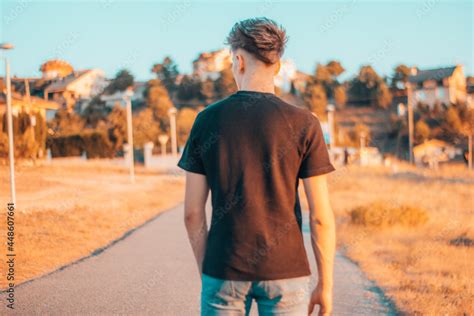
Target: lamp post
(11,148)
(163,139)
(410,122)
(128,100)
(331,108)
(172,114)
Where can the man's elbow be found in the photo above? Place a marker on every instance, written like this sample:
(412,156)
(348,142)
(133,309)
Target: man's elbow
(192,217)
(326,222)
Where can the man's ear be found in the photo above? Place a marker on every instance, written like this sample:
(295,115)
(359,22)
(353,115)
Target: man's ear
(277,68)
(241,62)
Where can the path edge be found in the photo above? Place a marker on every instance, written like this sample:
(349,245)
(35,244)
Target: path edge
(99,250)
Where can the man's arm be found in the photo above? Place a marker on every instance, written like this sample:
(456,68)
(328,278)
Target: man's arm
(197,191)
(323,240)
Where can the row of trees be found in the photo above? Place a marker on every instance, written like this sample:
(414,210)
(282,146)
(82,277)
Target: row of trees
(189,93)
(29,137)
(366,88)
(150,117)
(190,89)
(452,124)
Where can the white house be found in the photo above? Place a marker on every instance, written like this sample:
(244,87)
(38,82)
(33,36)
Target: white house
(81,85)
(446,85)
(209,65)
(119,97)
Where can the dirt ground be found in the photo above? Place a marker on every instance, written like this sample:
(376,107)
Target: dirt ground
(65,212)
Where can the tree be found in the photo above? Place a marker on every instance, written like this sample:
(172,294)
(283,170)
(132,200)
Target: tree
(467,129)
(422,131)
(207,91)
(315,99)
(166,72)
(322,75)
(117,126)
(158,100)
(335,68)
(123,80)
(384,97)
(400,76)
(225,84)
(368,77)
(24,136)
(340,96)
(326,76)
(66,123)
(189,88)
(41,133)
(452,124)
(185,121)
(368,85)
(145,128)
(95,111)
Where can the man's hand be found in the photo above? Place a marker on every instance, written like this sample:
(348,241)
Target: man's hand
(323,298)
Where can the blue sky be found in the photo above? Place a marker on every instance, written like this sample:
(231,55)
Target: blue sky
(113,34)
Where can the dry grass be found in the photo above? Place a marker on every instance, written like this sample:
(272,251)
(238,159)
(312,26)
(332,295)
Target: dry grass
(421,267)
(380,214)
(66,212)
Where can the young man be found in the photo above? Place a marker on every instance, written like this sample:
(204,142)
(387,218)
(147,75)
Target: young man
(250,150)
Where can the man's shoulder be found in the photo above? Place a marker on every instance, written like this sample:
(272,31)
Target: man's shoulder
(299,113)
(216,106)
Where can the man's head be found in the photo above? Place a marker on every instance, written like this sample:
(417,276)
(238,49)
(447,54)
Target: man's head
(257,45)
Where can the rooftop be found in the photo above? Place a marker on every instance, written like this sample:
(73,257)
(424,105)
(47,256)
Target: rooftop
(432,74)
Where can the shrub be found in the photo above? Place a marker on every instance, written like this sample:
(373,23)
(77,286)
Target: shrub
(382,214)
(65,146)
(96,144)
(29,140)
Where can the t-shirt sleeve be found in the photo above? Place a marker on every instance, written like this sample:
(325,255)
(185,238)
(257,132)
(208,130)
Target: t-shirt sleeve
(315,157)
(191,159)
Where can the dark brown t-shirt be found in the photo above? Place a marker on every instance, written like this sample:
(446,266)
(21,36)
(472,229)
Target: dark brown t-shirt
(253,147)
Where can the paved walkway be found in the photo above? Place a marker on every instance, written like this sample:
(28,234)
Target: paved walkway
(152,271)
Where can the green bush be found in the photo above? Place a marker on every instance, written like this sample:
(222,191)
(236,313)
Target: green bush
(96,144)
(66,146)
(382,214)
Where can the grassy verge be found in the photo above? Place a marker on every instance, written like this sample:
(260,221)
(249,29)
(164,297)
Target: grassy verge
(412,233)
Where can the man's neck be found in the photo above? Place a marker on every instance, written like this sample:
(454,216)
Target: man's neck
(255,83)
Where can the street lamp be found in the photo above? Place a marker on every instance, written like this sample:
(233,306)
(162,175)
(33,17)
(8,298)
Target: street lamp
(172,114)
(330,109)
(11,149)
(128,99)
(163,139)
(410,121)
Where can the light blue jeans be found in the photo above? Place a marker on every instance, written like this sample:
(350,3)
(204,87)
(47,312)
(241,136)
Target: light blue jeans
(273,297)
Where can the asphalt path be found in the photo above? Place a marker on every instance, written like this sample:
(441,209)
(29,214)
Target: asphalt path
(151,271)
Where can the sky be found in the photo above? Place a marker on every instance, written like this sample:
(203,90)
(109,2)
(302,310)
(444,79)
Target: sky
(113,34)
